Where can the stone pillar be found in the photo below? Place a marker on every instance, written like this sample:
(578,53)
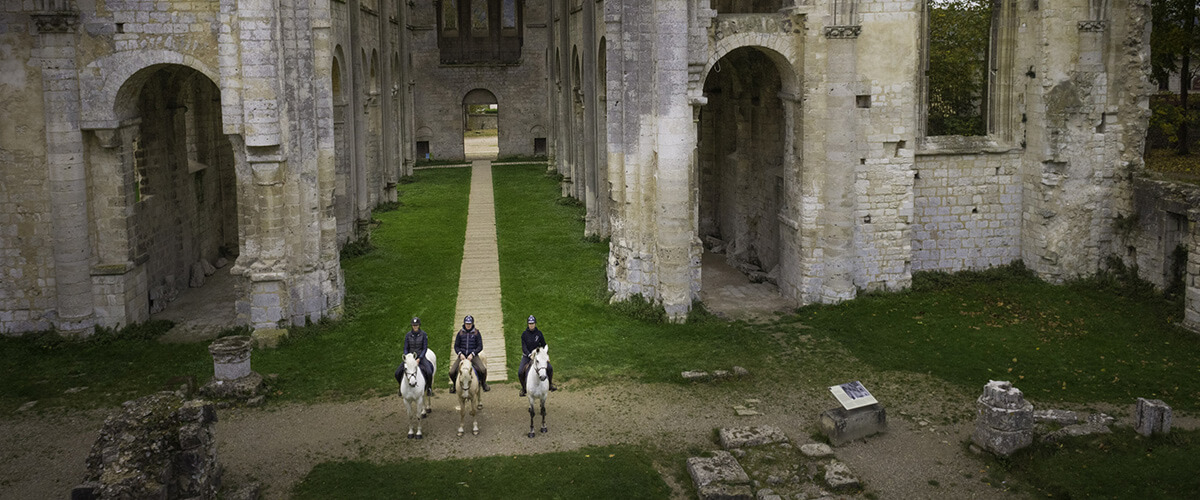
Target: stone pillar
(593,190)
(836,223)
(118,279)
(65,161)
(676,144)
(1151,416)
(790,271)
(1004,422)
(1191,279)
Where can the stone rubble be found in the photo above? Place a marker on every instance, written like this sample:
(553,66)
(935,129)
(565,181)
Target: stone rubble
(1004,422)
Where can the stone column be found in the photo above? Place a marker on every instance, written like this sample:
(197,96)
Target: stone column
(836,224)
(676,144)
(1191,279)
(790,271)
(65,161)
(593,192)
(1004,422)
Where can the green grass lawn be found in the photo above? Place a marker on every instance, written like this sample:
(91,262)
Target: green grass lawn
(548,269)
(1092,341)
(601,473)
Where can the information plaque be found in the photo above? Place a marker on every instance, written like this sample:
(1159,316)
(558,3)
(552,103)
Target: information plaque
(852,395)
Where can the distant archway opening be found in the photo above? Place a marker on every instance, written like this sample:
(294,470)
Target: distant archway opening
(481,125)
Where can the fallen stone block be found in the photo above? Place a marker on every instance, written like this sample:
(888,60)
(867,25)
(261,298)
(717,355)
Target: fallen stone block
(816,450)
(719,477)
(1151,416)
(742,437)
(839,477)
(1075,431)
(1061,417)
(740,372)
(208,268)
(694,375)
(842,426)
(198,275)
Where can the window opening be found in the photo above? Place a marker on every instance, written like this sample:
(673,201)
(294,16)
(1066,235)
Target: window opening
(956,74)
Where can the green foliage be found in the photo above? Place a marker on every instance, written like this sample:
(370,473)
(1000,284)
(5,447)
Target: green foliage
(357,247)
(594,472)
(637,307)
(1118,465)
(1175,50)
(958,46)
(1167,116)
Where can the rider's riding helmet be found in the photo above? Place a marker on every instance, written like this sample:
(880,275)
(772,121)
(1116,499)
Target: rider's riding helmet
(532,319)
(416,321)
(468,320)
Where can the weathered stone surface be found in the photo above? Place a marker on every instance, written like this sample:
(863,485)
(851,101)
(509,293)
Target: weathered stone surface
(268,338)
(1075,430)
(231,357)
(157,446)
(1005,420)
(740,372)
(741,437)
(766,494)
(198,275)
(725,491)
(695,375)
(839,477)
(1061,417)
(245,388)
(208,268)
(816,450)
(842,426)
(721,468)
(1151,416)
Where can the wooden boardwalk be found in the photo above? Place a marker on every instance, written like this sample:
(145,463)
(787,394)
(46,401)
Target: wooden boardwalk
(479,279)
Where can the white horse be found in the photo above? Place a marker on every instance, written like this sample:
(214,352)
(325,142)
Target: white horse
(412,389)
(469,397)
(537,385)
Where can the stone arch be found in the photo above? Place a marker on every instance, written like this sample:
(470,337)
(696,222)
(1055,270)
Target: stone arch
(109,85)
(777,48)
(178,178)
(742,151)
(339,96)
(480,147)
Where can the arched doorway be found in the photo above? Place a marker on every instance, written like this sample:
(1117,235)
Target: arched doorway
(481,125)
(741,145)
(182,210)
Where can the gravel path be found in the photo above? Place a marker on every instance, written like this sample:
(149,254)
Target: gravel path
(920,457)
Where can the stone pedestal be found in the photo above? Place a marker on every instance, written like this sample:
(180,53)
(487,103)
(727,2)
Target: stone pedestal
(843,426)
(1004,422)
(1151,416)
(232,376)
(231,357)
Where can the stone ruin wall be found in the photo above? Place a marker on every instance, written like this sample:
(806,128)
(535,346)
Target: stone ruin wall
(520,89)
(26,265)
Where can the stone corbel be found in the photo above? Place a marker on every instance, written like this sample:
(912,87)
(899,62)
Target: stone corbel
(843,31)
(107,138)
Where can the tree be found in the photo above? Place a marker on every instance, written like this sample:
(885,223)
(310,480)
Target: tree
(1174,45)
(958,46)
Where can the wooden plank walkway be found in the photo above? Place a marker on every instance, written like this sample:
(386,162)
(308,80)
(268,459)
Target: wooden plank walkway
(479,279)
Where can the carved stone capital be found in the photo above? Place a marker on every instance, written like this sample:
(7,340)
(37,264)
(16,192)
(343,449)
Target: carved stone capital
(843,31)
(1093,25)
(55,22)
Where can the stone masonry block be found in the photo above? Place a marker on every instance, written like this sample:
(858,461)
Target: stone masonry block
(842,426)
(1152,416)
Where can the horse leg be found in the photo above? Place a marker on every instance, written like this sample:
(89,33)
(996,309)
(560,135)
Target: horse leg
(409,413)
(544,429)
(531,434)
(462,416)
(475,416)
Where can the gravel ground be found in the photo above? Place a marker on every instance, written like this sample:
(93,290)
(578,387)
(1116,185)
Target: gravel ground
(922,455)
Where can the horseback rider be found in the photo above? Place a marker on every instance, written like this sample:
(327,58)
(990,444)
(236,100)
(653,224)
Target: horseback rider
(417,342)
(468,343)
(531,339)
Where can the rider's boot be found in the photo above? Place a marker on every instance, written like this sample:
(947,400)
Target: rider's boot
(453,383)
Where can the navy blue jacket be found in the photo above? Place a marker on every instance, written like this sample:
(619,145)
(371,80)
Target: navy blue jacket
(417,343)
(468,342)
(532,339)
